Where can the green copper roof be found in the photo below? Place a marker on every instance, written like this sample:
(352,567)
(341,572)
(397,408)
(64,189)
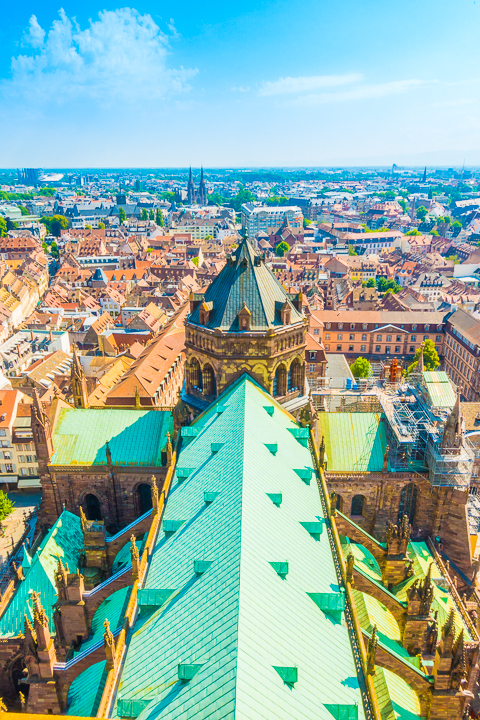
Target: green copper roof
(354,442)
(442,598)
(396,699)
(112,609)
(135,437)
(238,622)
(86,690)
(246,279)
(439,388)
(64,540)
(363,558)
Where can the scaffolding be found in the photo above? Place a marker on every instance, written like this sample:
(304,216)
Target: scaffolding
(414,428)
(450,466)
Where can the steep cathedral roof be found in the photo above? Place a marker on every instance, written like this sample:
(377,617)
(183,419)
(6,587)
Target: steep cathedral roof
(231,625)
(246,278)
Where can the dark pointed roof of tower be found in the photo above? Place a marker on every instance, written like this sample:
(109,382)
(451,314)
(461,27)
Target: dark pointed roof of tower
(245,278)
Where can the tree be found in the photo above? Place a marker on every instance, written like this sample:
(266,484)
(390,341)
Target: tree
(361,368)
(6,505)
(55,224)
(23,210)
(306,222)
(215,199)
(403,204)
(455,259)
(434,232)
(54,250)
(430,358)
(242,196)
(88,227)
(413,232)
(370,282)
(122,215)
(3,226)
(159,218)
(144,215)
(282,248)
(101,226)
(351,250)
(383,285)
(422,213)
(457,224)
(151,215)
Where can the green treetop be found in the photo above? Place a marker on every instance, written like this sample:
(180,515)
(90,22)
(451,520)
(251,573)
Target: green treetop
(361,368)
(431,361)
(422,213)
(282,248)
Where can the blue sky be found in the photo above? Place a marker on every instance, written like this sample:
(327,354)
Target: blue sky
(227,84)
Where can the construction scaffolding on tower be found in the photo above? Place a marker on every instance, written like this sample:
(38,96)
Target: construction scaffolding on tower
(415,414)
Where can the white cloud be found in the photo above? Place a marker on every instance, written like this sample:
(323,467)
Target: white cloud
(122,56)
(241,89)
(35,34)
(290,85)
(361,92)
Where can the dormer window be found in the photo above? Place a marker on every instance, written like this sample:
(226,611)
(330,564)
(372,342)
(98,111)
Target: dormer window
(204,312)
(286,314)
(244,318)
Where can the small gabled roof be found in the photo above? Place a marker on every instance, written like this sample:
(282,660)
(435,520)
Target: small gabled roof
(391,327)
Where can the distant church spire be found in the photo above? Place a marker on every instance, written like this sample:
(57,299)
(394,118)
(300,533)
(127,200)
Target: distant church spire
(191,189)
(424,179)
(202,191)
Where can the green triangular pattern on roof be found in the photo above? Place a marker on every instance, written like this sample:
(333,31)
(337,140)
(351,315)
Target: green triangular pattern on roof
(245,278)
(343,712)
(289,675)
(152,597)
(276,498)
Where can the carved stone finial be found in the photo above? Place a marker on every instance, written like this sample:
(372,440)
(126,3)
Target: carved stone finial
(372,652)
(135,555)
(109,642)
(83,519)
(154,494)
(385,460)
(350,566)
(333,502)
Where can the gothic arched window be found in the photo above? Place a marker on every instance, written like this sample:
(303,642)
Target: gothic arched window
(408,502)
(357,505)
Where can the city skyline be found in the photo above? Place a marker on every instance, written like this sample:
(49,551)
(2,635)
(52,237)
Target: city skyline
(108,86)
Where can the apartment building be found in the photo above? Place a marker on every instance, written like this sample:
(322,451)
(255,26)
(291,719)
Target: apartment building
(378,335)
(258,218)
(462,353)
(17,449)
